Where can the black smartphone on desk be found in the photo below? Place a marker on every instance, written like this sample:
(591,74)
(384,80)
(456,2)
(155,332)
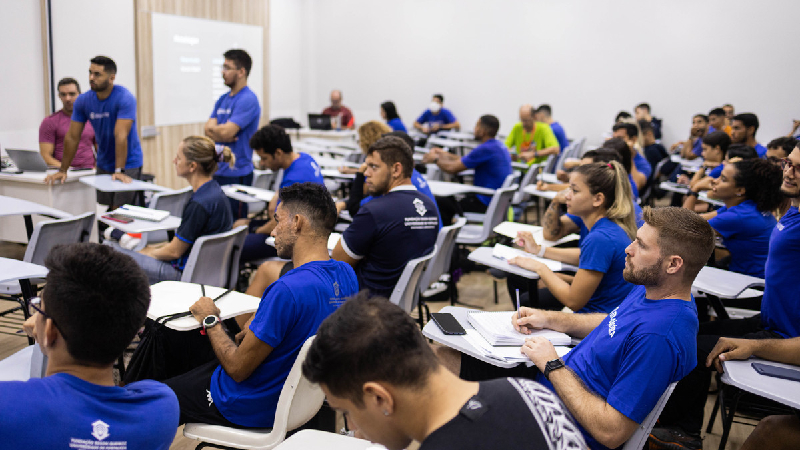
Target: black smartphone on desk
(448,324)
(777,372)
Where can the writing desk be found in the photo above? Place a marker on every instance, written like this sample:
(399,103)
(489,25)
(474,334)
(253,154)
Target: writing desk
(334,163)
(671,186)
(446,188)
(510,229)
(10,206)
(304,134)
(334,173)
(144,226)
(315,439)
(531,189)
(549,178)
(724,283)
(742,375)
(23,272)
(104,183)
(457,135)
(170,297)
(251,194)
(703,197)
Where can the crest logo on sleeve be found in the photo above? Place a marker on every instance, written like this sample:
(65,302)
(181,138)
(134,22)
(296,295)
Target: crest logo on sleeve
(612,322)
(420,207)
(100,430)
(474,404)
(336,288)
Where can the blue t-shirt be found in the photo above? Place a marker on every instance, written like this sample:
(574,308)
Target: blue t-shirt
(387,233)
(397,125)
(745,232)
(103,115)
(422,185)
(780,306)
(243,110)
(561,135)
(697,147)
(642,165)
(716,171)
(290,312)
(492,164)
(761,150)
(303,169)
(64,411)
(635,353)
(443,117)
(208,211)
(603,250)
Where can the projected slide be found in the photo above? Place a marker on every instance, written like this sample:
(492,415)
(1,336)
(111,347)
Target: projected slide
(187,65)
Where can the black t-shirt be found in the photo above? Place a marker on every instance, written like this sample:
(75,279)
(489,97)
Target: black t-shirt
(509,413)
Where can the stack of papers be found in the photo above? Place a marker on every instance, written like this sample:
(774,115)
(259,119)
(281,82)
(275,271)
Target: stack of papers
(495,327)
(510,229)
(505,253)
(137,212)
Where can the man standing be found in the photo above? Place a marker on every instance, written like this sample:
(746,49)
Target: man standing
(544,114)
(339,113)
(436,117)
(233,122)
(532,141)
(95,302)
(743,131)
(241,389)
(112,111)
(54,129)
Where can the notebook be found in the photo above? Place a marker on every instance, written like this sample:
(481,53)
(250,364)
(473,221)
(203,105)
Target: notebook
(505,253)
(137,212)
(496,328)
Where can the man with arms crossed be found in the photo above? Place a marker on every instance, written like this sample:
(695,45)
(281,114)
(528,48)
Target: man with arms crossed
(95,301)
(54,129)
(233,122)
(112,111)
(241,389)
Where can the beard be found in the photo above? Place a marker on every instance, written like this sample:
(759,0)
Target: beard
(97,87)
(376,188)
(285,246)
(645,276)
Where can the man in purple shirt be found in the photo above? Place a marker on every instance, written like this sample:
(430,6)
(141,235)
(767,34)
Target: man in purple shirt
(54,128)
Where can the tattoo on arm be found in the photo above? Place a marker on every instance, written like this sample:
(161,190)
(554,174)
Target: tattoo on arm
(552,222)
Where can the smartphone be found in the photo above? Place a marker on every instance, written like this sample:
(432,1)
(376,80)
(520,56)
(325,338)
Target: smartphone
(777,372)
(448,324)
(118,218)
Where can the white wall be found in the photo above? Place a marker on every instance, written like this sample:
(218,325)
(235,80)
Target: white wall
(587,58)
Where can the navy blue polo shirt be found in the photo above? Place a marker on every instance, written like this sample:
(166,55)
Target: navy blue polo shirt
(387,233)
(208,211)
(492,164)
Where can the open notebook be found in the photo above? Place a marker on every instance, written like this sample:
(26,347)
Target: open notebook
(137,212)
(505,253)
(496,328)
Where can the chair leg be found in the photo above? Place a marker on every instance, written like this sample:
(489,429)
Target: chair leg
(494,283)
(715,409)
(727,416)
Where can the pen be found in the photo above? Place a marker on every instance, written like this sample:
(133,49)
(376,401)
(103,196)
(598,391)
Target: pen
(203,289)
(518,315)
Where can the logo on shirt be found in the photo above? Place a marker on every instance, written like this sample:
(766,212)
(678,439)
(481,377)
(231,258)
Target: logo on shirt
(336,288)
(420,207)
(100,115)
(316,173)
(222,111)
(99,430)
(612,322)
(473,404)
(208,396)
(780,226)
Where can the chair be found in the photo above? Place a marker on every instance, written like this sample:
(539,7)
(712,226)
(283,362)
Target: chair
(521,198)
(510,179)
(439,265)
(23,365)
(214,259)
(639,438)
(172,201)
(406,290)
(495,213)
(298,403)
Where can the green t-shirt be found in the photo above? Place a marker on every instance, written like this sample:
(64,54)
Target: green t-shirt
(520,140)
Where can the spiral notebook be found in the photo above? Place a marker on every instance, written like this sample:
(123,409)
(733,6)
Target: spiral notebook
(496,328)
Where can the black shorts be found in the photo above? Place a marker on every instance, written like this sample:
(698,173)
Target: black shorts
(193,390)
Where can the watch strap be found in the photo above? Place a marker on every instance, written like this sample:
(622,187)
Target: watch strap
(552,365)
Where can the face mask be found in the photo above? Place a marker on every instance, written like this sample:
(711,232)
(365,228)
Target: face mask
(435,107)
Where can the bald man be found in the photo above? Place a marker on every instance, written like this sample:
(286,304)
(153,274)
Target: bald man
(343,113)
(531,141)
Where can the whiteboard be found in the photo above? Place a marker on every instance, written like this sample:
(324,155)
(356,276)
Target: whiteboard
(187,65)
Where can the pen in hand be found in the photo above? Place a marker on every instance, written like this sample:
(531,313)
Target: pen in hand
(518,311)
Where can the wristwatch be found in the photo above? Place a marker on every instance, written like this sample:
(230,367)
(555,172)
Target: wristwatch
(553,365)
(210,321)
(118,170)
(693,194)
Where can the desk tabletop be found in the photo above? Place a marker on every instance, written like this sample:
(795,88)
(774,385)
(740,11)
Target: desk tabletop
(531,189)
(38,177)
(14,269)
(671,186)
(315,439)
(170,297)
(703,197)
(12,206)
(104,183)
(724,283)
(447,188)
(335,163)
(548,178)
(143,226)
(250,194)
(334,173)
(742,375)
(510,229)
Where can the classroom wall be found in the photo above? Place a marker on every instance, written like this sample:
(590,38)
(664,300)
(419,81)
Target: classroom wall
(587,58)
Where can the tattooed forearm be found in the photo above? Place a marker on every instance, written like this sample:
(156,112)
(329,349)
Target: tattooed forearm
(552,222)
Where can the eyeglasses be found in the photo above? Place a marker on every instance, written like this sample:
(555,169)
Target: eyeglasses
(787,163)
(35,305)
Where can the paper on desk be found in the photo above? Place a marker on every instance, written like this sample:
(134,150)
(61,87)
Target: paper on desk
(511,229)
(507,354)
(505,253)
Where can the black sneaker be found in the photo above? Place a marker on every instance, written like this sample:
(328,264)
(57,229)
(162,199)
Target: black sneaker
(669,438)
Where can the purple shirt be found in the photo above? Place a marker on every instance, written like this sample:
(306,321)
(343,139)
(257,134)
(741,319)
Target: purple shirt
(53,130)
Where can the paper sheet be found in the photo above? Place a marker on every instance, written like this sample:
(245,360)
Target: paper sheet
(505,253)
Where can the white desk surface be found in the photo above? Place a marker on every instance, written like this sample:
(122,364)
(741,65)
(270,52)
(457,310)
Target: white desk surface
(14,269)
(723,283)
(104,183)
(448,143)
(170,297)
(11,206)
(306,133)
(703,197)
(484,255)
(307,146)
(334,173)
(686,162)
(252,194)
(510,229)
(519,165)
(38,177)
(446,188)
(457,135)
(338,151)
(531,189)
(334,163)
(143,226)
(671,186)
(742,375)
(319,440)
(548,178)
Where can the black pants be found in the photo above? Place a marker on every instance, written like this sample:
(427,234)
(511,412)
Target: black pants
(473,369)
(545,300)
(116,199)
(193,390)
(238,208)
(687,403)
(449,207)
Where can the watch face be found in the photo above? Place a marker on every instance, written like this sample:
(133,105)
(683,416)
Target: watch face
(210,321)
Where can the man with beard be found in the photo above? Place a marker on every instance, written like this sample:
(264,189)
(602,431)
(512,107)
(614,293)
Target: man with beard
(743,131)
(612,380)
(779,319)
(111,109)
(241,389)
(54,129)
(233,122)
(399,224)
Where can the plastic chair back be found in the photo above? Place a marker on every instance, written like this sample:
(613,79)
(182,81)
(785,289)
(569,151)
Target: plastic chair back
(49,233)
(406,290)
(440,263)
(173,201)
(636,442)
(495,213)
(214,259)
(528,178)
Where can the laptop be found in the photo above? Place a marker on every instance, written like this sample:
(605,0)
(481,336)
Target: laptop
(319,122)
(27,160)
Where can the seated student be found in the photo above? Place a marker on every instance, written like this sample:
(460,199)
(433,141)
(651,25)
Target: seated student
(682,418)
(274,147)
(544,114)
(389,114)
(715,148)
(743,131)
(773,432)
(531,141)
(641,170)
(344,117)
(241,389)
(628,154)
(54,129)
(653,151)
(208,210)
(779,148)
(436,117)
(693,147)
(94,303)
(600,200)
(642,112)
(490,160)
(718,122)
(375,366)
(734,153)
(612,380)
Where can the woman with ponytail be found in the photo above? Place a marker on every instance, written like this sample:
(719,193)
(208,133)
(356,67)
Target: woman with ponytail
(751,190)
(208,210)
(600,201)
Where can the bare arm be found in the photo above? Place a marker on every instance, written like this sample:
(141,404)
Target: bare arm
(549,151)
(121,131)
(71,144)
(451,126)
(779,350)
(271,224)
(173,250)
(221,133)
(448,162)
(555,225)
(577,325)
(340,255)
(567,255)
(46,149)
